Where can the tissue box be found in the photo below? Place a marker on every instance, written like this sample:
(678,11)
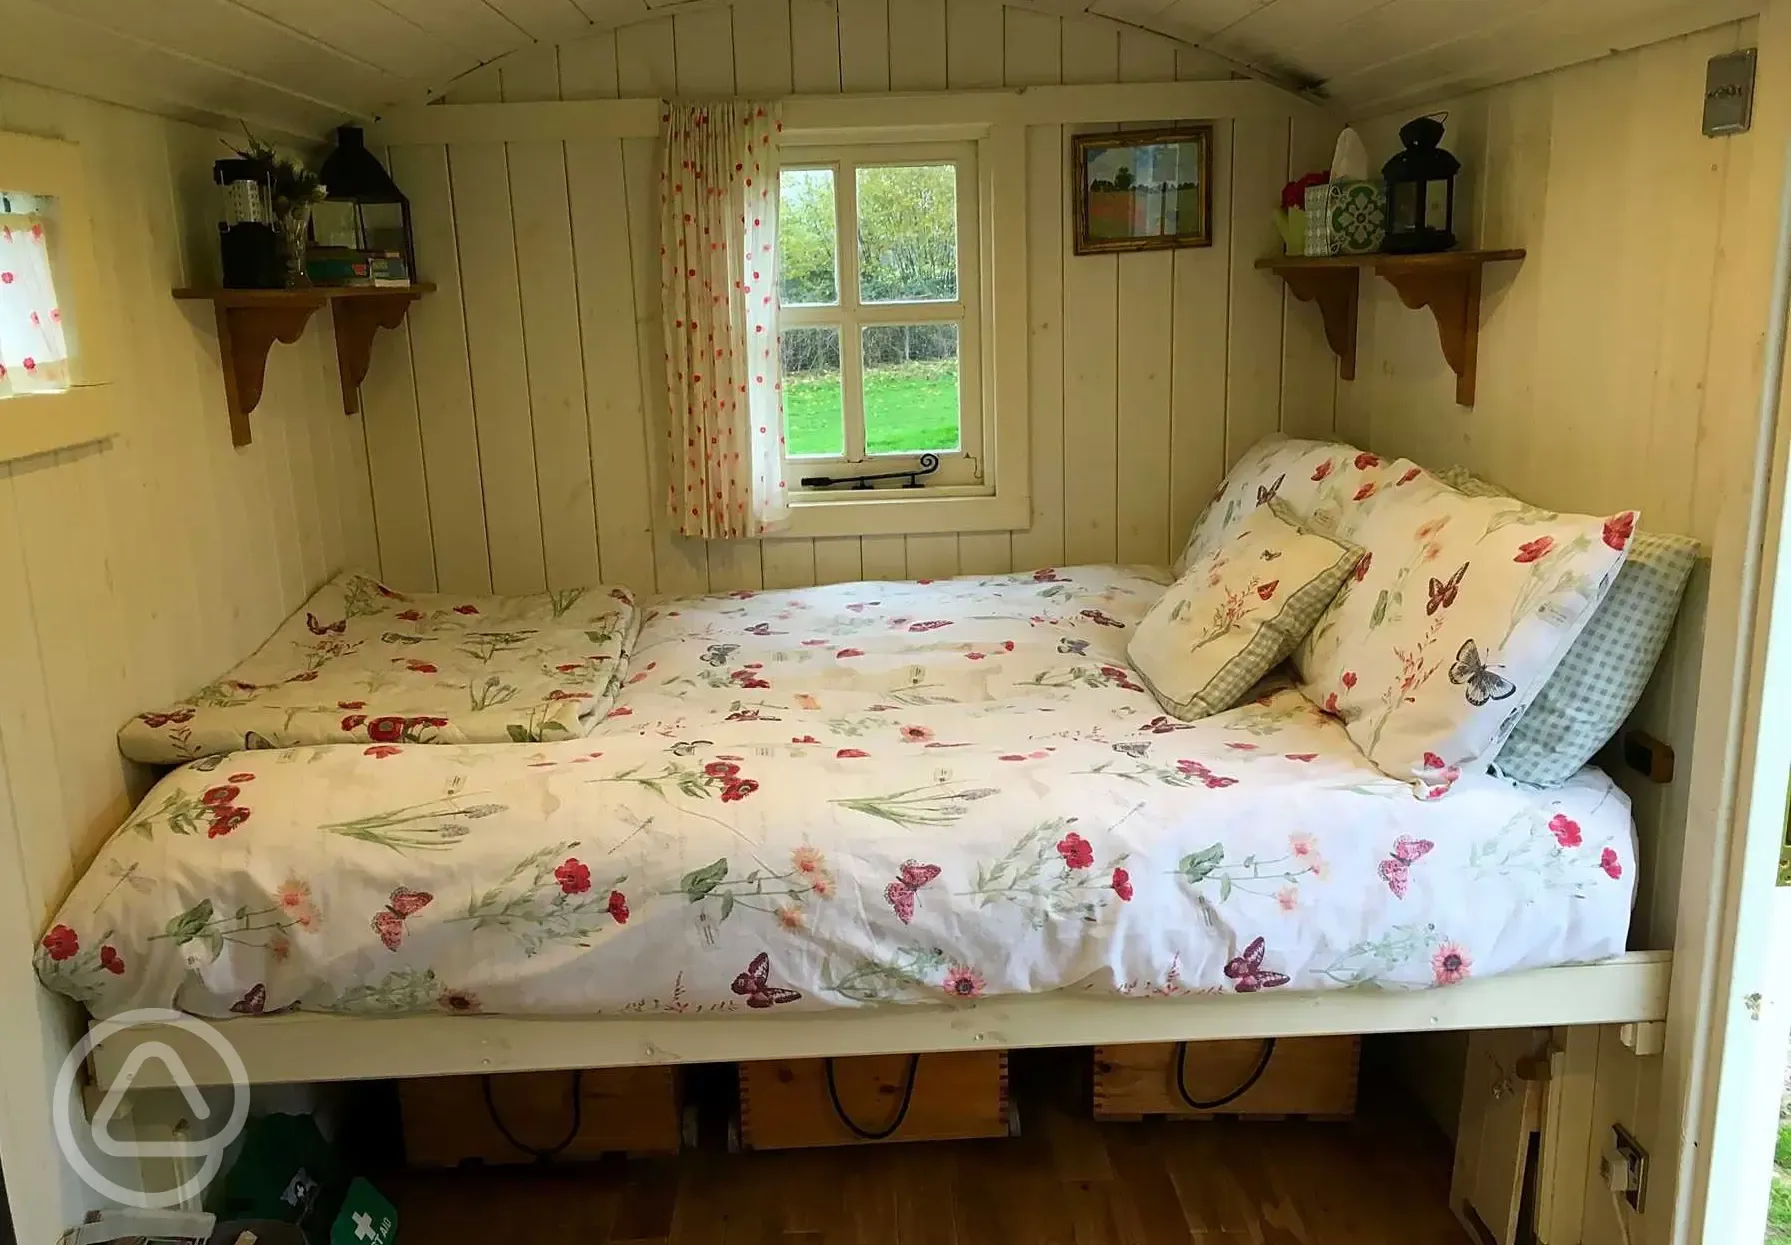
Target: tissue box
(1346,217)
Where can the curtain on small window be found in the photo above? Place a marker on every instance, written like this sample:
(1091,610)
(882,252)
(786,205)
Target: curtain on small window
(718,266)
(33,355)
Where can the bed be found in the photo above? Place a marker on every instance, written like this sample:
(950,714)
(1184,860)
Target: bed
(837,797)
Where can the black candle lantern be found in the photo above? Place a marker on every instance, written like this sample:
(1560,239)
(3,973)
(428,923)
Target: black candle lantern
(1421,191)
(364,211)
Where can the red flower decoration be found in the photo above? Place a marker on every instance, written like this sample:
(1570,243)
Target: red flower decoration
(1267,591)
(1362,565)
(721,769)
(61,943)
(1330,705)
(224,820)
(1617,532)
(380,751)
(1565,829)
(242,778)
(1323,470)
(1122,885)
(353,720)
(351,704)
(422,667)
(574,876)
(737,791)
(618,907)
(569,667)
(1607,860)
(220,797)
(847,754)
(804,739)
(1531,550)
(1349,678)
(1364,461)
(411,615)
(1076,851)
(1412,473)
(850,652)
(1365,492)
(386,730)
(466,609)
(111,961)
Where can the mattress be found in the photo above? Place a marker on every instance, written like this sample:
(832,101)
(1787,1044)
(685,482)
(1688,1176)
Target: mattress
(834,797)
(361,662)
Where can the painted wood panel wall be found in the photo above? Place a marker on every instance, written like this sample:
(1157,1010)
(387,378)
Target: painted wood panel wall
(1605,382)
(508,425)
(135,571)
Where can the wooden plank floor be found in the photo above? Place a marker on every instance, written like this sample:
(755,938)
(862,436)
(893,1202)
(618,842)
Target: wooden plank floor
(1382,1180)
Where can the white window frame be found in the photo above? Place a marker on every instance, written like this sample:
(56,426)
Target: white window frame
(961,467)
(984,486)
(37,423)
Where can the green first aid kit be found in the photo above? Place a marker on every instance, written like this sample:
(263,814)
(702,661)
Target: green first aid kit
(366,1218)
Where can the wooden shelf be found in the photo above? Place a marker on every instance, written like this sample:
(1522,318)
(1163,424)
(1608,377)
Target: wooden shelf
(251,321)
(1447,283)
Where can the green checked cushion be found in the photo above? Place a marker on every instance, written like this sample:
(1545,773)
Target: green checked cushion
(1238,612)
(1598,683)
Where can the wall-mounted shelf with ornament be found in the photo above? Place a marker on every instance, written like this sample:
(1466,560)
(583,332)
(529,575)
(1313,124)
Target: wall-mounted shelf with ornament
(251,321)
(1447,283)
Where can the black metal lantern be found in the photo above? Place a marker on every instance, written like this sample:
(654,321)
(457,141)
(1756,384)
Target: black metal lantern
(1421,191)
(364,211)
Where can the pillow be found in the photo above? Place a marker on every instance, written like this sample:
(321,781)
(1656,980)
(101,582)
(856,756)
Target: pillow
(1598,683)
(1237,613)
(360,663)
(1459,612)
(1322,483)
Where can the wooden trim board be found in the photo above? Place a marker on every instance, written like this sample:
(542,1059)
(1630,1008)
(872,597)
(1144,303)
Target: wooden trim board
(300,1047)
(864,115)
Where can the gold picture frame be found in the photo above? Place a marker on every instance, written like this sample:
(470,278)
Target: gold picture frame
(1121,208)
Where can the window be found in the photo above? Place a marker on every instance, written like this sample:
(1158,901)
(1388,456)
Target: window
(881,295)
(33,353)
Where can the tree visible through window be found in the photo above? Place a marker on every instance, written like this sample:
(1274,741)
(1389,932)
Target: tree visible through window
(872,273)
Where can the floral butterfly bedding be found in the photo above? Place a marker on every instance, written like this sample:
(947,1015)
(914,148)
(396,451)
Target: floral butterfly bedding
(362,663)
(833,797)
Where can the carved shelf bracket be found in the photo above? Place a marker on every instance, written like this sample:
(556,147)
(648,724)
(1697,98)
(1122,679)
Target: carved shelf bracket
(1337,292)
(251,321)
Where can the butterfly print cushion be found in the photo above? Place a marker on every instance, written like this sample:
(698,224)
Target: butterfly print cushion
(361,662)
(1459,612)
(1238,613)
(1323,484)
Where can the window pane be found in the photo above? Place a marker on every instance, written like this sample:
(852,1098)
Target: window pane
(807,238)
(910,388)
(908,233)
(812,423)
(33,352)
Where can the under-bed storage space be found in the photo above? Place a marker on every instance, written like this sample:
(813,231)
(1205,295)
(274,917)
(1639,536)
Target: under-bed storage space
(1271,1079)
(793,1103)
(525,1116)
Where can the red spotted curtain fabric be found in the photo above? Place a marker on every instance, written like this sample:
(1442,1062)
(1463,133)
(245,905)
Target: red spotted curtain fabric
(718,192)
(33,354)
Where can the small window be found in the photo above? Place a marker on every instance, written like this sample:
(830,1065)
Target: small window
(879,283)
(33,349)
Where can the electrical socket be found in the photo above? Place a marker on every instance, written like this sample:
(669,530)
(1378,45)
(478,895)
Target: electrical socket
(1625,1167)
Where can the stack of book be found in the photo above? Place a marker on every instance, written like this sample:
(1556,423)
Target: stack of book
(339,265)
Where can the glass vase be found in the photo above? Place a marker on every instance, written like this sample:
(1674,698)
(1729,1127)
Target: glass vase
(295,228)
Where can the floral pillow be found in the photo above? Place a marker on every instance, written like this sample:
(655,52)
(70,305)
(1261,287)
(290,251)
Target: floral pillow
(1238,613)
(1456,616)
(1323,484)
(362,663)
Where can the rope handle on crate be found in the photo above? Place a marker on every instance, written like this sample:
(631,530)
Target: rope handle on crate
(901,1115)
(552,1152)
(1181,1078)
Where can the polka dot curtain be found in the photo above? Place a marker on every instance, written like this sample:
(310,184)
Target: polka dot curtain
(718,266)
(33,355)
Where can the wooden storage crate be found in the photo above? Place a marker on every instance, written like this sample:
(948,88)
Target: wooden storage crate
(447,1120)
(1312,1076)
(784,1103)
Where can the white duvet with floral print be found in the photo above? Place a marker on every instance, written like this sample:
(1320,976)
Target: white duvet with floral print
(360,662)
(834,797)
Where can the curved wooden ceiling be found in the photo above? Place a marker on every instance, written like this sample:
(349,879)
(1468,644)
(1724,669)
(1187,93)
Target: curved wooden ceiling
(299,67)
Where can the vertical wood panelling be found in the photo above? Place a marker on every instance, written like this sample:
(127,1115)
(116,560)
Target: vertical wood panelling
(1147,372)
(1308,368)
(134,571)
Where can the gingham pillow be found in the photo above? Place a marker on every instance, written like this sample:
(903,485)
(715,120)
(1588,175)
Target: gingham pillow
(1598,683)
(1238,612)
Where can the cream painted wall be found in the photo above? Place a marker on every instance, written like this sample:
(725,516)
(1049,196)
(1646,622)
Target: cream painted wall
(134,571)
(1618,368)
(508,425)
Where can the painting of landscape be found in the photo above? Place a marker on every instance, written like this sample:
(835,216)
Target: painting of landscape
(1143,190)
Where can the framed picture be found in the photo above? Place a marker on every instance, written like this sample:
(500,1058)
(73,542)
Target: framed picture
(1143,190)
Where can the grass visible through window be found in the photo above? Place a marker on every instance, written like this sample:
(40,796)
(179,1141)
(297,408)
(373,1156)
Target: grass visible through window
(909,407)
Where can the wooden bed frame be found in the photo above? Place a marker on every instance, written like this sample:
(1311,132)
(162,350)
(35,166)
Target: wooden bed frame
(300,1048)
